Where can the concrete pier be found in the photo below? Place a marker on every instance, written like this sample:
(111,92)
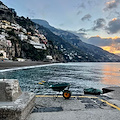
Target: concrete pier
(14,104)
(78,107)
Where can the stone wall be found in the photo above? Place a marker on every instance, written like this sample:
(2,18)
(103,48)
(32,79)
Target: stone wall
(10,90)
(14,104)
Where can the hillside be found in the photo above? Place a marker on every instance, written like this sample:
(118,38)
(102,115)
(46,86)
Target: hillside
(92,52)
(19,38)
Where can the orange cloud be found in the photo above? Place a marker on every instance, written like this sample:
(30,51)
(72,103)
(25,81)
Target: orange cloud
(110,44)
(97,36)
(111,2)
(113,38)
(114,19)
(112,49)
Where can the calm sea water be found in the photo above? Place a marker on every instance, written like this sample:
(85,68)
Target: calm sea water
(79,75)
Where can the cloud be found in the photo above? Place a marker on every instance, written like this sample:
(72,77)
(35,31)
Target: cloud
(82,30)
(114,48)
(79,12)
(82,34)
(118,40)
(86,17)
(90,2)
(93,3)
(82,5)
(112,14)
(111,44)
(98,41)
(113,26)
(118,13)
(99,23)
(112,4)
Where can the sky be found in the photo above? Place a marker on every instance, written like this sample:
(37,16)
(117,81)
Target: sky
(96,21)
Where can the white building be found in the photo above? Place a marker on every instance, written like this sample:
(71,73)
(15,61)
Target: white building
(5,42)
(20,59)
(49,57)
(4,53)
(22,36)
(35,39)
(38,45)
(16,26)
(23,29)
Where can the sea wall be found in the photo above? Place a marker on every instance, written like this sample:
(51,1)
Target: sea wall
(14,104)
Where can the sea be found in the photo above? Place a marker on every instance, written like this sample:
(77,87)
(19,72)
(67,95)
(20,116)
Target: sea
(79,75)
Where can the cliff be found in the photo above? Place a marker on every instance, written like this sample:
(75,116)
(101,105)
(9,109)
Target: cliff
(19,38)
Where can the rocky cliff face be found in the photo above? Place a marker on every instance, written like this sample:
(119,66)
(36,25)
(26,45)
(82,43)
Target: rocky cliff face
(20,38)
(6,13)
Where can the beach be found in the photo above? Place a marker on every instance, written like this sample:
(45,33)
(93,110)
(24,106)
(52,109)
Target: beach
(15,64)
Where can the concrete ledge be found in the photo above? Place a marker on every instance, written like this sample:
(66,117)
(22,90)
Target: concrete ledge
(10,90)
(18,109)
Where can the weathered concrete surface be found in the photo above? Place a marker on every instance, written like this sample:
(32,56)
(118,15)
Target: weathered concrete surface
(115,93)
(67,105)
(75,108)
(103,107)
(14,105)
(9,90)
(77,115)
(19,109)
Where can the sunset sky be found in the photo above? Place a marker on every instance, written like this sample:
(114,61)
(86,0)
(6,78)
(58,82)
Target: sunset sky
(96,21)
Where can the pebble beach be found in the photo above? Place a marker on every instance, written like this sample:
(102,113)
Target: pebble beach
(15,64)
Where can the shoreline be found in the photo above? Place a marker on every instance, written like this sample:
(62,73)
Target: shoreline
(15,64)
(5,65)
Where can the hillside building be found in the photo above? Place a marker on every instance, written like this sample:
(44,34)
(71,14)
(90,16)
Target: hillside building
(3,53)
(38,45)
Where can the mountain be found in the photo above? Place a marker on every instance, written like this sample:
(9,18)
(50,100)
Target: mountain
(92,53)
(22,38)
(43,23)
(70,52)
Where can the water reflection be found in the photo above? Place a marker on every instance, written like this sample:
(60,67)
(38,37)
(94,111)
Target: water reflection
(79,75)
(111,74)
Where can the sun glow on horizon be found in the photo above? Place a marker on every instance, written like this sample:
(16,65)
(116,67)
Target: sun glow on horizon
(113,38)
(111,49)
(114,47)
